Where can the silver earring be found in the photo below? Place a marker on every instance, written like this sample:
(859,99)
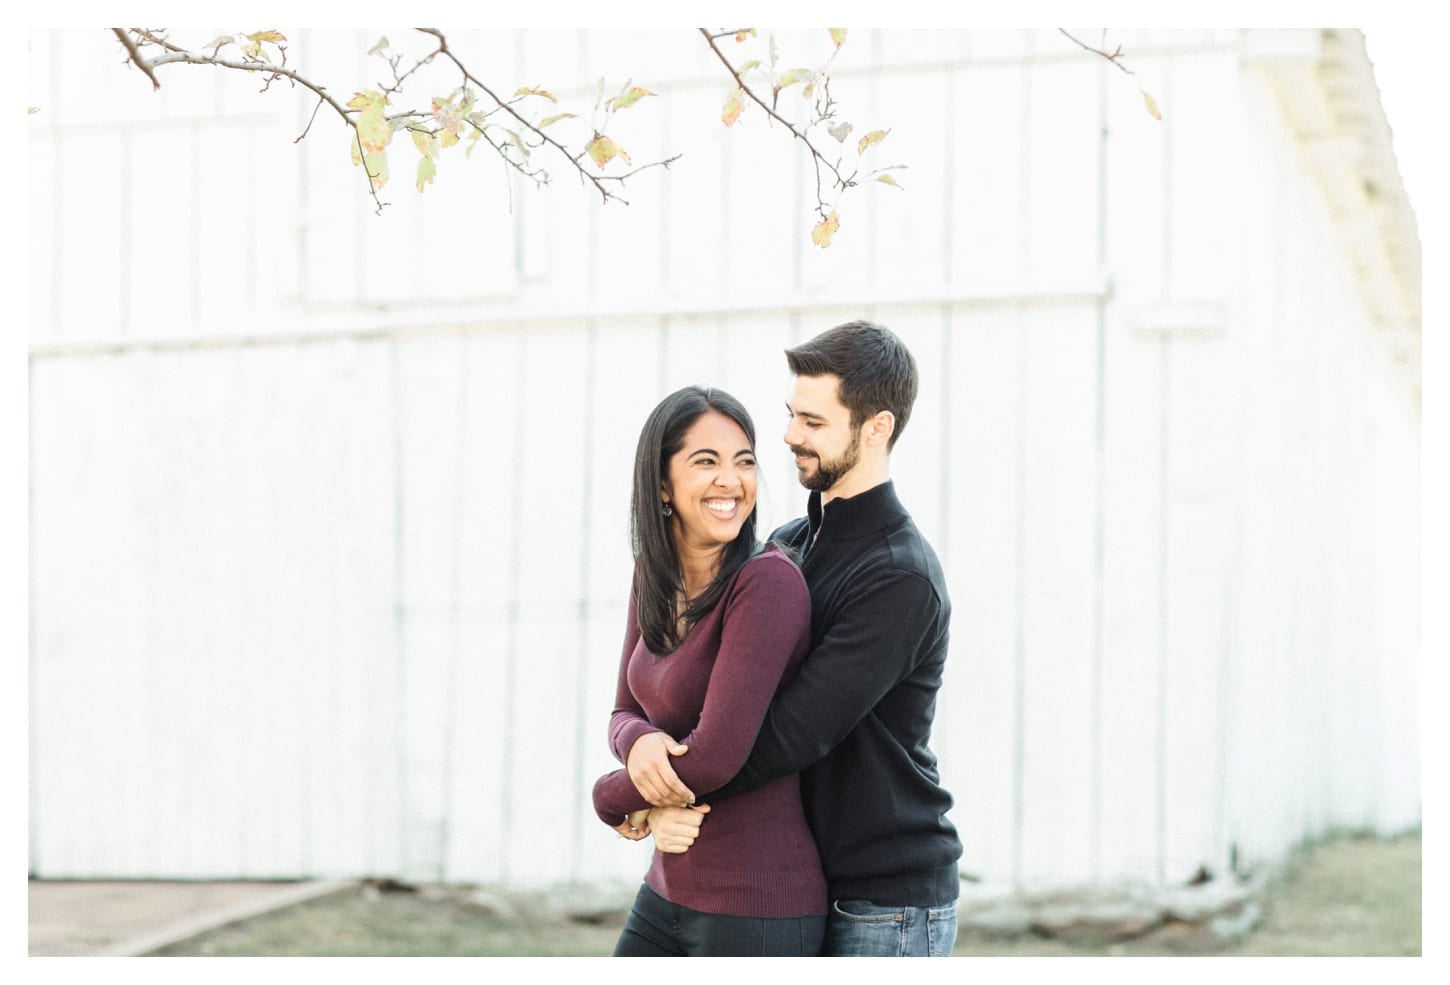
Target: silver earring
(666,510)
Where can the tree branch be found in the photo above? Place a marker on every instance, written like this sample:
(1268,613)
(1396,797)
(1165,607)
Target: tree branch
(136,57)
(819,159)
(596,180)
(366,121)
(176,55)
(1112,58)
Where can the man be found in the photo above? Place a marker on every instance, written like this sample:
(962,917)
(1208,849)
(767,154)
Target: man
(856,719)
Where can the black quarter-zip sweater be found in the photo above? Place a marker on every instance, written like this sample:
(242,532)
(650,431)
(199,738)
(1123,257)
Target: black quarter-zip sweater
(856,720)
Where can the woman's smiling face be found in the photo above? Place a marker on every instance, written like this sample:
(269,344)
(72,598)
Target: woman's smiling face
(711,484)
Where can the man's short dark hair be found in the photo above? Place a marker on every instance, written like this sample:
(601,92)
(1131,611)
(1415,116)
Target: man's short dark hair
(877,371)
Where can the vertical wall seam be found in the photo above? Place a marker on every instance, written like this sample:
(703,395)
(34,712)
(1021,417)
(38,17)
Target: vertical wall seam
(1019,656)
(1165,409)
(194,255)
(455,606)
(948,213)
(58,237)
(37,789)
(582,787)
(1095,782)
(400,634)
(123,242)
(511,645)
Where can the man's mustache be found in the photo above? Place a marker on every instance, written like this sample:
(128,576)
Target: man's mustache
(803,453)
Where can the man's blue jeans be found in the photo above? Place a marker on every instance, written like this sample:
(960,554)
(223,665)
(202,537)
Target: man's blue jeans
(861,929)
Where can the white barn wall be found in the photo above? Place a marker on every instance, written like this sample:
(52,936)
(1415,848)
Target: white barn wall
(329,510)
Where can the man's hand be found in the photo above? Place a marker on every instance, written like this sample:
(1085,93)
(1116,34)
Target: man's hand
(653,776)
(635,826)
(676,828)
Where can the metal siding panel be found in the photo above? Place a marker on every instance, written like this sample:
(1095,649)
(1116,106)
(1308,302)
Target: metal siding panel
(553,481)
(979,758)
(1128,785)
(488,546)
(1058,588)
(986,228)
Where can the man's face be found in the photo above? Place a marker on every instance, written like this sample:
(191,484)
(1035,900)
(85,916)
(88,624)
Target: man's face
(819,432)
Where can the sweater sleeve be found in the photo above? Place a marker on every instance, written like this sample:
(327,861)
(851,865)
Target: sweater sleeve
(766,624)
(628,722)
(872,645)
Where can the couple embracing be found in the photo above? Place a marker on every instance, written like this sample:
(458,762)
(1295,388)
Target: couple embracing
(774,704)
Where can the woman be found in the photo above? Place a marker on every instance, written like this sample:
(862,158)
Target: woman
(715,626)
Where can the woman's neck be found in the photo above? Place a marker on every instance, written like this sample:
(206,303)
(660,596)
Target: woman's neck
(698,567)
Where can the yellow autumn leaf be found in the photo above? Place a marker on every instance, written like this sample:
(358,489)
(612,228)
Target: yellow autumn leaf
(425,142)
(886,179)
(603,150)
(534,91)
(741,36)
(1152,105)
(373,128)
(555,119)
(377,164)
(734,106)
(447,138)
(272,36)
(427,170)
(794,76)
(628,98)
(825,229)
(838,35)
(362,100)
(872,138)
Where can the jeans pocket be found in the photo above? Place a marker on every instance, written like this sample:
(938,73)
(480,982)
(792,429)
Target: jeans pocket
(858,929)
(941,932)
(864,912)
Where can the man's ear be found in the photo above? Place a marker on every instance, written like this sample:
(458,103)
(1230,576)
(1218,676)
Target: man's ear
(880,427)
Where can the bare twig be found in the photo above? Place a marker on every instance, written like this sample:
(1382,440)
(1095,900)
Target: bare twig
(819,159)
(310,120)
(1112,58)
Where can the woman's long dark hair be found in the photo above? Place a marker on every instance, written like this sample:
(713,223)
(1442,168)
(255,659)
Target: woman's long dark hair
(659,578)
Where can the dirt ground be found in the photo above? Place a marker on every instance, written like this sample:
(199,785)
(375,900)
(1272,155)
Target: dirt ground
(1348,897)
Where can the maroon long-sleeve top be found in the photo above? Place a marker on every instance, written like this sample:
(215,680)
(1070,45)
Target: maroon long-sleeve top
(755,855)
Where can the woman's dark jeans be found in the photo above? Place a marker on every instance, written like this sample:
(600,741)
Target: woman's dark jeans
(657,928)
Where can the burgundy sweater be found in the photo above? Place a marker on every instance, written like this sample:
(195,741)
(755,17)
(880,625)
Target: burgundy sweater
(755,856)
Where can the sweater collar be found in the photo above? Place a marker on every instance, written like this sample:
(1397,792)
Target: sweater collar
(866,513)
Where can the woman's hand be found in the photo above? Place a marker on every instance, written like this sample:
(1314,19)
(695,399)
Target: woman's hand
(653,776)
(675,828)
(635,827)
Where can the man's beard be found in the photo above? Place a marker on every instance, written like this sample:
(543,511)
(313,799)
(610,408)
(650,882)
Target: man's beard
(828,473)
